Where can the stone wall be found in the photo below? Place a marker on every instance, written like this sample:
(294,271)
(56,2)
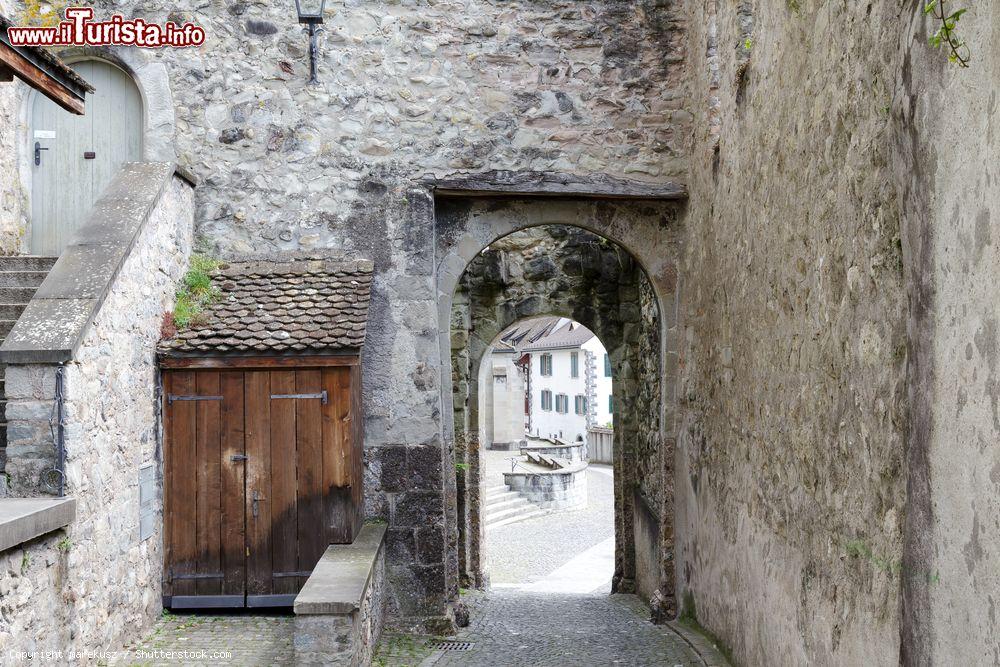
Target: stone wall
(408,89)
(944,121)
(790,481)
(340,612)
(13,198)
(98,586)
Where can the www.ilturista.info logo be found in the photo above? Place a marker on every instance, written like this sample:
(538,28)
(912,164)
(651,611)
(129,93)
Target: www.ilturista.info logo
(79,29)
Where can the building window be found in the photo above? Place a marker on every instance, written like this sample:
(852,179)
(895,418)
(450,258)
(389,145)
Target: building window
(546,399)
(562,403)
(580,404)
(545,364)
(607,366)
(611,404)
(574,364)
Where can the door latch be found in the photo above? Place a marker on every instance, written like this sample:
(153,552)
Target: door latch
(38,153)
(239,457)
(256,499)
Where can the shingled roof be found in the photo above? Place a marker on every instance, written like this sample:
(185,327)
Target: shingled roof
(571,334)
(295,306)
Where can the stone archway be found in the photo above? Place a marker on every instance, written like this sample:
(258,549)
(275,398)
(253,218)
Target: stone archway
(465,228)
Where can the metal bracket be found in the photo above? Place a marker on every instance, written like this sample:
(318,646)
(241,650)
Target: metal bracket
(174,397)
(239,457)
(321,395)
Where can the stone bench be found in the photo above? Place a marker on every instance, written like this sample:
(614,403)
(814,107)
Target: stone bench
(571,451)
(559,489)
(338,613)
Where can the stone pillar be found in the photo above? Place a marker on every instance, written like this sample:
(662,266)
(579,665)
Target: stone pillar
(31,423)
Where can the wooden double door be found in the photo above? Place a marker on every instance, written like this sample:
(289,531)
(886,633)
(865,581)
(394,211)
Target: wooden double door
(262,471)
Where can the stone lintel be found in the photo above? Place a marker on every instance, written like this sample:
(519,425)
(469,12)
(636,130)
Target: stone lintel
(57,317)
(548,184)
(340,579)
(24,519)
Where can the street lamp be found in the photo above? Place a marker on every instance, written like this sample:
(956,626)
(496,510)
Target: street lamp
(311,13)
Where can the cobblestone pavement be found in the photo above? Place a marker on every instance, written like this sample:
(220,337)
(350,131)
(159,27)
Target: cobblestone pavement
(513,629)
(199,639)
(528,550)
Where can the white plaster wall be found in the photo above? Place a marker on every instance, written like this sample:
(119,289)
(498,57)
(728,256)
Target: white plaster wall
(508,398)
(549,423)
(603,382)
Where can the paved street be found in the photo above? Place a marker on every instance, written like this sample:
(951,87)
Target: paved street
(550,602)
(550,605)
(513,628)
(202,639)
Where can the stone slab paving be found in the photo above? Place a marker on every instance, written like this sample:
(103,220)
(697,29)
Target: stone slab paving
(512,628)
(199,639)
(529,550)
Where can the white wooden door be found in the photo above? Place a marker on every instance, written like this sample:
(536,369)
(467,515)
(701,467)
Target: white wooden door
(80,154)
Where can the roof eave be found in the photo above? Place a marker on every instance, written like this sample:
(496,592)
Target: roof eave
(26,64)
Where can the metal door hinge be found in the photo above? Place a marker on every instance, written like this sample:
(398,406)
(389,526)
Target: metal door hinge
(321,395)
(175,397)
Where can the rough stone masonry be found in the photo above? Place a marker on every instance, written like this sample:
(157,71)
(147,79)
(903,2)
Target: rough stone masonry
(829,343)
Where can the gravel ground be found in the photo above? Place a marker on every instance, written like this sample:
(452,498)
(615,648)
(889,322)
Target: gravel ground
(528,550)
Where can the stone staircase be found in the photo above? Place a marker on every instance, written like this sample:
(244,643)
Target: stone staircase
(502,506)
(20,276)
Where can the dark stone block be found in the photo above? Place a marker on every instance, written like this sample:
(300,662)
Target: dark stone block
(232,135)
(528,306)
(424,467)
(393,465)
(400,545)
(430,546)
(417,590)
(419,509)
(540,268)
(261,28)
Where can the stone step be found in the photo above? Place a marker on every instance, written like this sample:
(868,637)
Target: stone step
(498,508)
(12,311)
(16,295)
(495,490)
(507,512)
(22,278)
(26,263)
(514,519)
(5,327)
(490,501)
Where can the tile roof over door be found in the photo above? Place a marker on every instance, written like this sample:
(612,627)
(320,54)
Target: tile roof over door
(298,306)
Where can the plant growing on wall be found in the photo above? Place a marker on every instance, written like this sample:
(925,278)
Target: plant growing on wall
(945,37)
(196,292)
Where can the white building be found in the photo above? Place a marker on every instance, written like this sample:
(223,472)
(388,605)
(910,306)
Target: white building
(562,384)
